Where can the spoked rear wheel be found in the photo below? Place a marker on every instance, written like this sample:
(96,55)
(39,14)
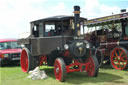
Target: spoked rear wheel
(27,61)
(119,58)
(92,66)
(60,69)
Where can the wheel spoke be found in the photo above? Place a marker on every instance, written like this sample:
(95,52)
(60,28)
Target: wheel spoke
(114,56)
(123,59)
(123,63)
(115,60)
(119,62)
(116,53)
(121,53)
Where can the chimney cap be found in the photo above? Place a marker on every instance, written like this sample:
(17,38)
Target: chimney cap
(77,8)
(123,10)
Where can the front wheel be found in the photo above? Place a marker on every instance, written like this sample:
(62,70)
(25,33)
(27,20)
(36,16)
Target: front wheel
(92,66)
(60,69)
(27,61)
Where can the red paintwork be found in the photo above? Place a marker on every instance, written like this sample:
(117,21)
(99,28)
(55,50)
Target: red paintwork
(7,40)
(119,58)
(43,60)
(10,51)
(58,70)
(66,53)
(107,47)
(76,63)
(89,67)
(125,38)
(7,51)
(24,61)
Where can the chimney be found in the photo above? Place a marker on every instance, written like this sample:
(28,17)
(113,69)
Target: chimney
(123,10)
(76,20)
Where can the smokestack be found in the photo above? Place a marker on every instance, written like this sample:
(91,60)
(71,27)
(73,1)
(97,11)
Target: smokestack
(123,10)
(76,20)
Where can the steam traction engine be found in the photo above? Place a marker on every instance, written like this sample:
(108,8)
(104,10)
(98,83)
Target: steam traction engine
(110,38)
(56,41)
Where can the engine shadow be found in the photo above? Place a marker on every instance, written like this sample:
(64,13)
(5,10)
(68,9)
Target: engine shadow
(82,77)
(79,78)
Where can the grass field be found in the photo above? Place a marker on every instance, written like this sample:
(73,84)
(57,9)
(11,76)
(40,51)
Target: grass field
(12,75)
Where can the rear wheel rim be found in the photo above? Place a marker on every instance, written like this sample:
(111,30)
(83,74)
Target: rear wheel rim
(24,61)
(119,59)
(57,70)
(99,57)
(90,68)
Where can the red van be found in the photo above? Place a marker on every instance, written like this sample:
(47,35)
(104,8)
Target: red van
(9,51)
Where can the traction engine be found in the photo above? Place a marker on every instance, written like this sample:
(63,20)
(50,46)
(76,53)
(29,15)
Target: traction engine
(62,46)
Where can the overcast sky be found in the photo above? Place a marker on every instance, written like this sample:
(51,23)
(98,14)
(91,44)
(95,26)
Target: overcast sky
(15,15)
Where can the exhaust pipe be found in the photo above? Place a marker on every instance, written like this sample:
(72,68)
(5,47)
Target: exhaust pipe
(76,20)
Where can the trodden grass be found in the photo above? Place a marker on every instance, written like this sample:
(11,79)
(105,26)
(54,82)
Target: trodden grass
(12,75)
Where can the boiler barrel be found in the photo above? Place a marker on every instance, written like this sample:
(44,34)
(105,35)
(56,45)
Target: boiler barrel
(123,43)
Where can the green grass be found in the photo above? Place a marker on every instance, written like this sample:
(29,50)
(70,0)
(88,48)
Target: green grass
(12,75)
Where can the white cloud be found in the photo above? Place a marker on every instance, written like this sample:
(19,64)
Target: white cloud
(95,9)
(15,15)
(60,6)
(106,10)
(59,9)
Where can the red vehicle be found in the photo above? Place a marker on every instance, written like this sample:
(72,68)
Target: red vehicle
(9,51)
